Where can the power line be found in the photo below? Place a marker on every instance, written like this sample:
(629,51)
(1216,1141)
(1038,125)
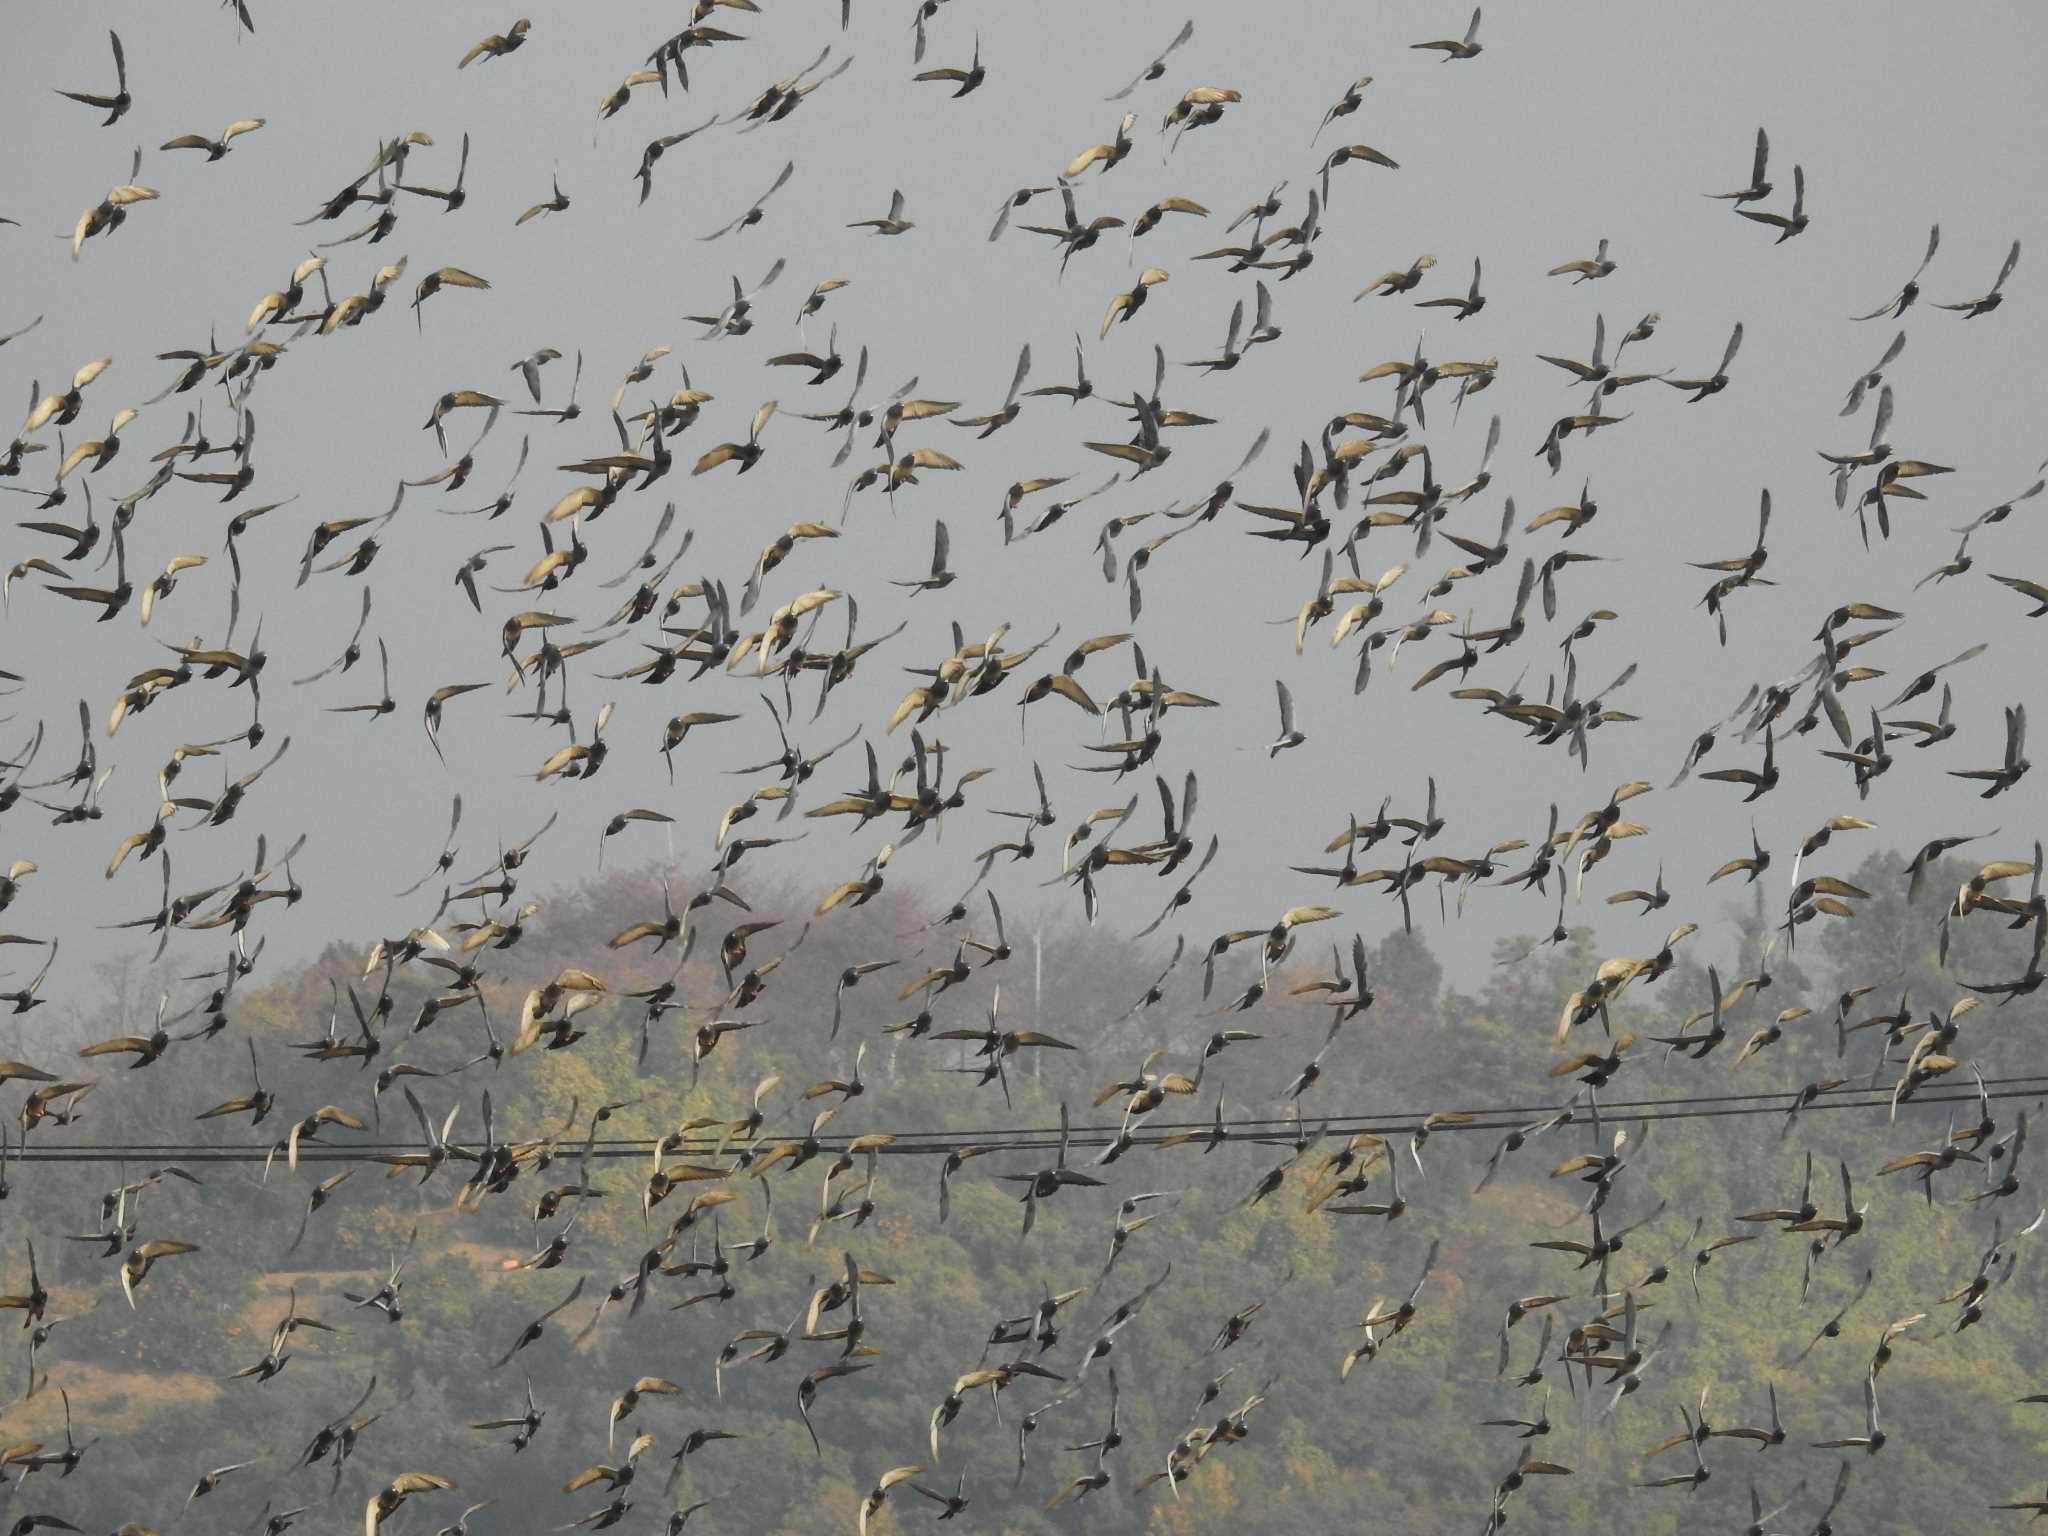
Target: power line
(1044,1138)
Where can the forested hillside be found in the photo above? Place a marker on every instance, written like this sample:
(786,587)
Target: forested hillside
(1396,1444)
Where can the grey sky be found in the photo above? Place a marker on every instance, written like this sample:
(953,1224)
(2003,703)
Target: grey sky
(1571,126)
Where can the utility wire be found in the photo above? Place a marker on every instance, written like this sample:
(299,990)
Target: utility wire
(1044,1138)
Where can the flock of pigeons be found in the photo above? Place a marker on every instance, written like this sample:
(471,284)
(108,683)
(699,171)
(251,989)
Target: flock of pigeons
(747,654)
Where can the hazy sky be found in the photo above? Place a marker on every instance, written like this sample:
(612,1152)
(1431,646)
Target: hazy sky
(1571,126)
